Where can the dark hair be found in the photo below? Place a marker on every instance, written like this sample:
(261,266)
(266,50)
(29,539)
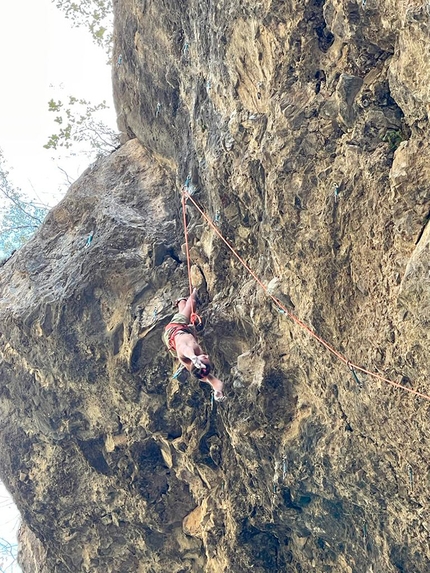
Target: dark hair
(201,372)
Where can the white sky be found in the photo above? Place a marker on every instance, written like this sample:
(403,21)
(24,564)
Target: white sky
(9,524)
(39,48)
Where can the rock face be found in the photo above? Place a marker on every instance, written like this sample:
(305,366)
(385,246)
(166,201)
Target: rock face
(301,129)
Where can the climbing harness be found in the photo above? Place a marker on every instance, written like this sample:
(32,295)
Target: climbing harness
(175,329)
(282,308)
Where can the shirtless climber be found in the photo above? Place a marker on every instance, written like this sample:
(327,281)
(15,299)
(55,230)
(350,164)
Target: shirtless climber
(180,340)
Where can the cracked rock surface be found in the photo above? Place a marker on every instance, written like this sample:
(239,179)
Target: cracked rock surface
(301,129)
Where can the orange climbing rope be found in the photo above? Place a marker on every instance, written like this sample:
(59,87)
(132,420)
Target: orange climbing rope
(194,318)
(294,318)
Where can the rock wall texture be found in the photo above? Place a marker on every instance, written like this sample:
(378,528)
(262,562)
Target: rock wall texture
(302,130)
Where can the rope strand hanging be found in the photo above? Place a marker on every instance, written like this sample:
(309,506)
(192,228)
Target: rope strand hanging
(285,310)
(194,318)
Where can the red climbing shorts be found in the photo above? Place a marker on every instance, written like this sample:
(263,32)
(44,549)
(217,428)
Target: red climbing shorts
(174,328)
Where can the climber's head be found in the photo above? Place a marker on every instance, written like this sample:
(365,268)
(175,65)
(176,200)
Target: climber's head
(202,372)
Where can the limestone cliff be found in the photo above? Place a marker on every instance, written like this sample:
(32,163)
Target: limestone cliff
(302,130)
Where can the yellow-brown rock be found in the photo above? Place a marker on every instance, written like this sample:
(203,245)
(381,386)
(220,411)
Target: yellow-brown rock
(301,129)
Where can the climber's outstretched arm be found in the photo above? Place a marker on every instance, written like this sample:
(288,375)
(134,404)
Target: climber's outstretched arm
(217,386)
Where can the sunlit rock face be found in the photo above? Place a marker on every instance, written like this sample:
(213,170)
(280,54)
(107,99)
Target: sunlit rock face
(301,129)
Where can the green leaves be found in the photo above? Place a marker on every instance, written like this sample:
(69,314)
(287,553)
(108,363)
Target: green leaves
(96,15)
(79,125)
(394,138)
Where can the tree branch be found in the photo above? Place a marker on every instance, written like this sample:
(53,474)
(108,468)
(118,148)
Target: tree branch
(19,206)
